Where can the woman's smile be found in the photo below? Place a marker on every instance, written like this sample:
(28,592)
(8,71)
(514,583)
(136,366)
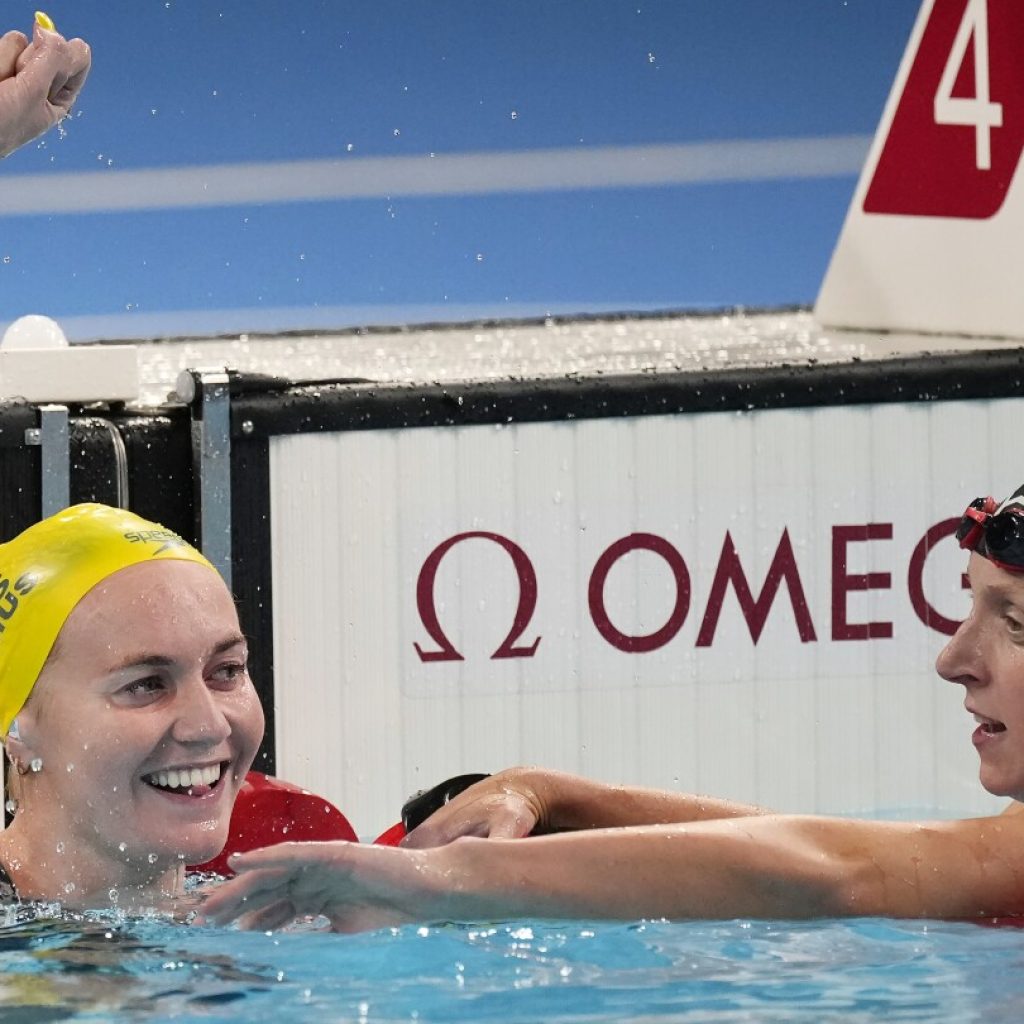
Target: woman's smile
(195,781)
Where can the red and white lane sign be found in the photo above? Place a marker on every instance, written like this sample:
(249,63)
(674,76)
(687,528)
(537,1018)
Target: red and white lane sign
(931,237)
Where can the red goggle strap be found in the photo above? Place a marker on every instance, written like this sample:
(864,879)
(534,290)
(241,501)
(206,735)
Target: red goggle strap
(971,538)
(1008,566)
(980,516)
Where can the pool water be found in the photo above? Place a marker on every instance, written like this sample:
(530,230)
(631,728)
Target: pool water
(94,968)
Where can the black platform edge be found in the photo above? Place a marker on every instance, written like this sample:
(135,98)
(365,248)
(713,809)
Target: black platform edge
(991,373)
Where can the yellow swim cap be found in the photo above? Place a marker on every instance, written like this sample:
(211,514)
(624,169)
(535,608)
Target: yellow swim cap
(46,570)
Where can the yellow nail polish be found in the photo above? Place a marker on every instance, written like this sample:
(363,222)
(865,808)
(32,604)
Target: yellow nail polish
(43,20)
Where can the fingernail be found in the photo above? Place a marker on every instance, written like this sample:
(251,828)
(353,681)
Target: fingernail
(43,20)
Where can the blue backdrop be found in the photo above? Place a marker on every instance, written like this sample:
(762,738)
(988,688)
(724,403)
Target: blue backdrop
(265,95)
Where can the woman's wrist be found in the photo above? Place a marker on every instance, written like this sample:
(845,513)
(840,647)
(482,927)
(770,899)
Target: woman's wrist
(459,879)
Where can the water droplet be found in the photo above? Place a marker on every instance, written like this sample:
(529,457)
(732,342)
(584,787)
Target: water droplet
(479,257)
(122,847)
(7,259)
(69,767)
(152,858)
(69,887)
(113,894)
(514,114)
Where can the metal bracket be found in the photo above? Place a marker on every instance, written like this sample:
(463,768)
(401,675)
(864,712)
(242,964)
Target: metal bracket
(54,438)
(208,393)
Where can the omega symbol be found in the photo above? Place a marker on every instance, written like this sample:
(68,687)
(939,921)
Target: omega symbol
(524,610)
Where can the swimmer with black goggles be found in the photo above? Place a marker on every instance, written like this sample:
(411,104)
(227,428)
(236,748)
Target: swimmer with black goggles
(997,533)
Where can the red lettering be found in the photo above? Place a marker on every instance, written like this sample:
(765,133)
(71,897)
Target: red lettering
(729,570)
(915,578)
(843,582)
(524,611)
(595,593)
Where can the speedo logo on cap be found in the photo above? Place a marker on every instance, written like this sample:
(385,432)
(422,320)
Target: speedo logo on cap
(168,539)
(10,591)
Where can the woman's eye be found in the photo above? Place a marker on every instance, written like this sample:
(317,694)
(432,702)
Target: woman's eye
(229,673)
(1014,626)
(143,687)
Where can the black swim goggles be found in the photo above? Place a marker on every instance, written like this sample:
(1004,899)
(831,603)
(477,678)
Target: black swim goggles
(999,536)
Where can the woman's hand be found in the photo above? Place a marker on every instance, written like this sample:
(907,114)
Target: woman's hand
(355,887)
(536,801)
(39,83)
(508,805)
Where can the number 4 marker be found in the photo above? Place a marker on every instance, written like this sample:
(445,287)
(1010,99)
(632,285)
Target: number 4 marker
(962,53)
(977,110)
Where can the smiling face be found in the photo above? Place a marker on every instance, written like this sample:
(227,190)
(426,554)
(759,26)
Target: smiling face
(986,656)
(145,719)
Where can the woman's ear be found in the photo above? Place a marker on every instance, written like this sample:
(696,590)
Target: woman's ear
(18,744)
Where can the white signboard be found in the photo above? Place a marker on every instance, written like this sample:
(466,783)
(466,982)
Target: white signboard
(746,604)
(932,236)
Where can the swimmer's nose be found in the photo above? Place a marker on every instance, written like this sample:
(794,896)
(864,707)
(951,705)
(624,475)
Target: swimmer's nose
(962,659)
(201,718)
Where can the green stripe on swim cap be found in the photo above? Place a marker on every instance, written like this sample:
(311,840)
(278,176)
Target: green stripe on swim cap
(46,570)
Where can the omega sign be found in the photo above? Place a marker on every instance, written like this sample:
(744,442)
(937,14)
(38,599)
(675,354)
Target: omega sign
(782,583)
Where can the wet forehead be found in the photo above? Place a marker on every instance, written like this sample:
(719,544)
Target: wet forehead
(990,581)
(153,606)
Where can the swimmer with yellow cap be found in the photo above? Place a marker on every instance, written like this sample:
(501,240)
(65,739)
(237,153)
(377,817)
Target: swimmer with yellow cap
(48,569)
(129,716)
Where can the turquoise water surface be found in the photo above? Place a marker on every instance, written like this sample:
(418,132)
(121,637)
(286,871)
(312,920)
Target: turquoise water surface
(97,969)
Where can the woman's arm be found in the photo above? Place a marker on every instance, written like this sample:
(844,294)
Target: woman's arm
(521,801)
(761,866)
(767,866)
